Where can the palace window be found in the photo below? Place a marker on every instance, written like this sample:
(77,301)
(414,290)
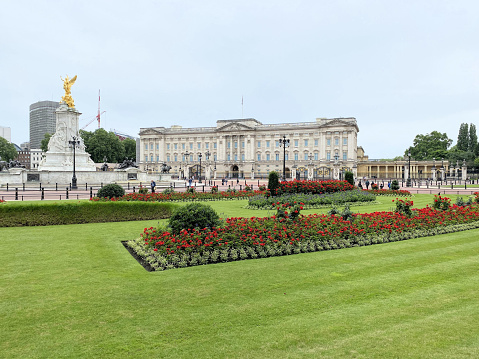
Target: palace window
(328,142)
(305,143)
(306,156)
(345,141)
(259,144)
(316,142)
(296,143)
(277,157)
(296,156)
(328,156)
(267,157)
(316,155)
(267,144)
(345,156)
(259,157)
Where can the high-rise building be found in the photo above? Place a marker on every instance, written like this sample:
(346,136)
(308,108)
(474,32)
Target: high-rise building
(6,133)
(42,121)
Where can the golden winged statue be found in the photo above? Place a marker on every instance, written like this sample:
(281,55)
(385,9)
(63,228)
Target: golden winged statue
(67,85)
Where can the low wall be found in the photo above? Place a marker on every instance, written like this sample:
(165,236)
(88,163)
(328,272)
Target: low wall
(52,177)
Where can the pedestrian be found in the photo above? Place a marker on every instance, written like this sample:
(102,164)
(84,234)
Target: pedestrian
(389,184)
(190,180)
(367,184)
(153,185)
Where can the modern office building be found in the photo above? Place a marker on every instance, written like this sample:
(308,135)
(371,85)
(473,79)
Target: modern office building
(6,133)
(246,148)
(42,121)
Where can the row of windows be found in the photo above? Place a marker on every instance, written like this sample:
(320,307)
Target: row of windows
(306,142)
(259,157)
(259,144)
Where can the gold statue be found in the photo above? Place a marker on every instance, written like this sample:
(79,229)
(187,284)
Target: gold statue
(67,85)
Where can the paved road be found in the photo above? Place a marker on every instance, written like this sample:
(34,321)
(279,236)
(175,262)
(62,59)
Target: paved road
(33,193)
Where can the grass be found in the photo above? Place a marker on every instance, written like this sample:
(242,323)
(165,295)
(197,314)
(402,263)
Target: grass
(74,291)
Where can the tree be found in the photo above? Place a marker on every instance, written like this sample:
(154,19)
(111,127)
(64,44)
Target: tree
(429,146)
(44,143)
(473,139)
(102,144)
(130,148)
(7,150)
(463,137)
(455,155)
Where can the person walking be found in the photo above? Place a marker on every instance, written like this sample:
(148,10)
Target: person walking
(153,185)
(367,184)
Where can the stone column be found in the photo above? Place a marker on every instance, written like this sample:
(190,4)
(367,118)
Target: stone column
(433,173)
(310,171)
(464,171)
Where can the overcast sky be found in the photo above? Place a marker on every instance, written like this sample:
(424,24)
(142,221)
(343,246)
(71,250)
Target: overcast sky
(399,67)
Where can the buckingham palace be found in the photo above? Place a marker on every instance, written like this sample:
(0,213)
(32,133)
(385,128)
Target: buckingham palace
(246,148)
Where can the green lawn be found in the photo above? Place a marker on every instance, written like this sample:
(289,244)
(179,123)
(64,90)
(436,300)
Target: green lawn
(75,292)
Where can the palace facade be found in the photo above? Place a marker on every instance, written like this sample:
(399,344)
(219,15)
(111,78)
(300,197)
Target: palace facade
(247,148)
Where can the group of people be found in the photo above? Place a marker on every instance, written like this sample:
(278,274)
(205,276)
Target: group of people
(366,183)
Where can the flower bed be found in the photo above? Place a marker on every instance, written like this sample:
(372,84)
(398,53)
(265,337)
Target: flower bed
(314,187)
(245,238)
(388,192)
(184,196)
(312,200)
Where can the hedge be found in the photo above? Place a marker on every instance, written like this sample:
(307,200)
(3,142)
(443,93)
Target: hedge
(44,214)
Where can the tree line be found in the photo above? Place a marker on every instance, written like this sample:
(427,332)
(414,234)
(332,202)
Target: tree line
(438,145)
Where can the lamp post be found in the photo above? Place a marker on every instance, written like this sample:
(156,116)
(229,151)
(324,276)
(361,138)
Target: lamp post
(442,169)
(186,154)
(408,182)
(199,156)
(74,142)
(283,142)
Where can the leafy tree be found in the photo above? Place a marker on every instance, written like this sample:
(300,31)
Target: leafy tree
(44,143)
(102,144)
(456,155)
(463,137)
(130,148)
(473,139)
(429,146)
(7,150)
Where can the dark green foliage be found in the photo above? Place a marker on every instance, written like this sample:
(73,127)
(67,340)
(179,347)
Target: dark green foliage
(111,190)
(193,215)
(463,137)
(101,144)
(333,211)
(143,190)
(395,185)
(168,190)
(429,146)
(273,182)
(473,139)
(44,143)
(43,214)
(460,202)
(347,214)
(7,150)
(349,177)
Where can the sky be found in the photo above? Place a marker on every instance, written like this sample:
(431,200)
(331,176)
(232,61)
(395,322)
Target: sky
(401,68)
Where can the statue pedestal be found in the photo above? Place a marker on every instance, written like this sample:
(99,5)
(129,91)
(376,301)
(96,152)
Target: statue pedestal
(59,156)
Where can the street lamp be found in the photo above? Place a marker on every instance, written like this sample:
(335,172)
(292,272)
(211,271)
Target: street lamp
(74,142)
(199,156)
(408,183)
(283,142)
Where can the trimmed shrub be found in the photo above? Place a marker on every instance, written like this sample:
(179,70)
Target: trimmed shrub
(111,190)
(273,182)
(193,215)
(43,214)
(395,185)
(349,177)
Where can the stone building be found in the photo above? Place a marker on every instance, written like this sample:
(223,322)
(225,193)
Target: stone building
(247,148)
